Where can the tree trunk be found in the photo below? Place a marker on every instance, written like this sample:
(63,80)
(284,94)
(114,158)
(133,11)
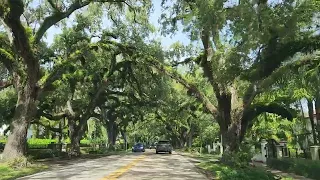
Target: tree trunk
(190,137)
(124,135)
(181,143)
(112,131)
(231,138)
(75,138)
(318,116)
(16,145)
(230,128)
(311,117)
(25,112)
(75,145)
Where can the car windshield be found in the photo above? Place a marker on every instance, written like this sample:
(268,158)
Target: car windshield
(139,145)
(163,142)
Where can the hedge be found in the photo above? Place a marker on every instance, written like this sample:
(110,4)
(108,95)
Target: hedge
(49,141)
(303,167)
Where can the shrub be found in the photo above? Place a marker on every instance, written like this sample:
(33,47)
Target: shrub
(246,173)
(303,167)
(225,172)
(42,153)
(40,143)
(85,142)
(239,159)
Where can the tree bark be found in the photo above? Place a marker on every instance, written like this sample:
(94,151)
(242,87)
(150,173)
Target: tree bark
(318,116)
(124,135)
(190,136)
(311,117)
(112,131)
(25,111)
(74,138)
(16,145)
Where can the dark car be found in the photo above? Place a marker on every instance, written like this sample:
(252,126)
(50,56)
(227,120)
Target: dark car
(139,147)
(164,146)
(153,146)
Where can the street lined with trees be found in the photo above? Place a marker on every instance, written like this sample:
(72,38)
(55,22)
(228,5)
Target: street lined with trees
(249,71)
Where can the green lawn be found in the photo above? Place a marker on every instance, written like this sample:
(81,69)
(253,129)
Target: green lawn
(7,172)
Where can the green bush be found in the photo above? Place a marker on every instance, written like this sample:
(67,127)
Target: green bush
(225,172)
(85,142)
(302,167)
(41,153)
(40,143)
(246,173)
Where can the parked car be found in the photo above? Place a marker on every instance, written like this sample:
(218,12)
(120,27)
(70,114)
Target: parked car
(164,146)
(153,146)
(139,147)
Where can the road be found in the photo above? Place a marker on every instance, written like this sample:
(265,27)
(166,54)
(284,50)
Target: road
(133,166)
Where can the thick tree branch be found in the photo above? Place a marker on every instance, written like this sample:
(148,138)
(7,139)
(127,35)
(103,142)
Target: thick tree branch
(58,16)
(311,60)
(92,104)
(205,62)
(201,96)
(186,61)
(70,109)
(54,6)
(5,84)
(21,39)
(52,117)
(255,110)
(58,130)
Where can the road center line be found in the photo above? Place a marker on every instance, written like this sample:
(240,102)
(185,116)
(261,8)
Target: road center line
(114,175)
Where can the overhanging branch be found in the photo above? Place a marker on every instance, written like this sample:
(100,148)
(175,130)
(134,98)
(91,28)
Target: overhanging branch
(174,75)
(21,40)
(5,84)
(307,60)
(58,130)
(52,117)
(58,16)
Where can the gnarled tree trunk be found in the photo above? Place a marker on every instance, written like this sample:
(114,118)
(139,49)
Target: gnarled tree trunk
(75,138)
(25,112)
(112,131)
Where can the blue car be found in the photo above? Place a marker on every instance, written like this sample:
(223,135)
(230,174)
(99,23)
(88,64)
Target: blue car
(139,147)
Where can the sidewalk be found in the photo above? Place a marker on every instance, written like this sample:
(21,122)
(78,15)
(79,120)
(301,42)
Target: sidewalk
(279,173)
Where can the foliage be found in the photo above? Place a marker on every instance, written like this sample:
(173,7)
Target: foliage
(42,153)
(241,158)
(8,99)
(224,172)
(303,167)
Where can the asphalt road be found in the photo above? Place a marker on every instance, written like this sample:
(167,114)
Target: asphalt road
(133,166)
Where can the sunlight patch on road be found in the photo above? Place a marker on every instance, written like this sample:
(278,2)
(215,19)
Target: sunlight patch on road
(114,175)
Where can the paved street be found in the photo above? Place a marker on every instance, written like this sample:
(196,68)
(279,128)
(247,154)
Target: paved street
(133,166)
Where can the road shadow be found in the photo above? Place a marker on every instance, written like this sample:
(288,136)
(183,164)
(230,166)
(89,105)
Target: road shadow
(66,161)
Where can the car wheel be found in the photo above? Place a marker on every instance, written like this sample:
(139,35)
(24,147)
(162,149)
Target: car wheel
(170,152)
(157,152)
